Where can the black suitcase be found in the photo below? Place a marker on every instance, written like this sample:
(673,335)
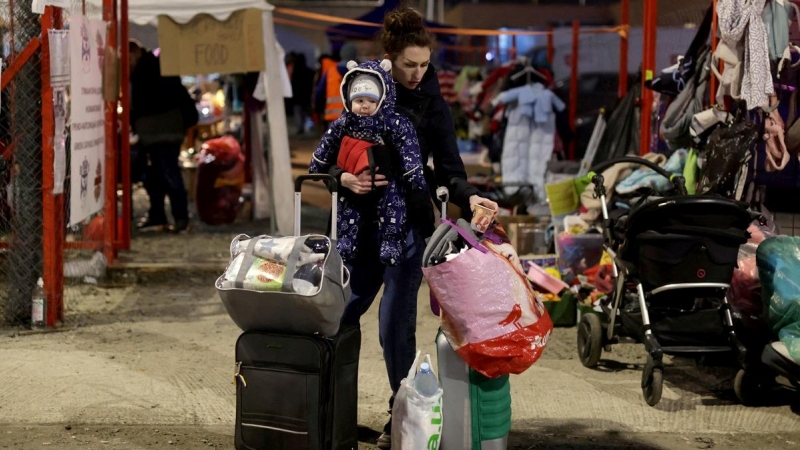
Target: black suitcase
(297,392)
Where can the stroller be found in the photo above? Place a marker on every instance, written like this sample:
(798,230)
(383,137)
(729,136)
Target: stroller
(673,261)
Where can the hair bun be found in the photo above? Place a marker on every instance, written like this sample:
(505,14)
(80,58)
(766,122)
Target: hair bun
(403,21)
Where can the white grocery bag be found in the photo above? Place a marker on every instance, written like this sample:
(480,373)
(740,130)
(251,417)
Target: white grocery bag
(416,419)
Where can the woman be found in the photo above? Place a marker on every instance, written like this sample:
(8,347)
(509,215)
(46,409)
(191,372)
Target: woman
(408,45)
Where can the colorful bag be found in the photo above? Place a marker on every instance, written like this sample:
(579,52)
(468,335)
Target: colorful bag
(490,313)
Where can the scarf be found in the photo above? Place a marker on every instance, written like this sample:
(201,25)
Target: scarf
(736,17)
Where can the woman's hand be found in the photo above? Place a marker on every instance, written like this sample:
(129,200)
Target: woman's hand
(477,200)
(362,184)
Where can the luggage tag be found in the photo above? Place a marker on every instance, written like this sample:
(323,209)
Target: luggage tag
(238,376)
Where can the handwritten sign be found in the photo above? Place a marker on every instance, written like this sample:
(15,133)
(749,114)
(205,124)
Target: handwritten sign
(205,45)
(87,117)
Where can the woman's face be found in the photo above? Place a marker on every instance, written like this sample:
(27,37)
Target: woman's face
(410,65)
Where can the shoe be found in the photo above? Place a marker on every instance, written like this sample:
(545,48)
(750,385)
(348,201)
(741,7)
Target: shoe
(180,226)
(151,225)
(385,440)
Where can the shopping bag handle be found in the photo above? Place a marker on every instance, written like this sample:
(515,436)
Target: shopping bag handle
(469,237)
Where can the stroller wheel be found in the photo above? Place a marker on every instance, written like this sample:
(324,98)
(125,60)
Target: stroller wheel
(750,388)
(652,385)
(590,340)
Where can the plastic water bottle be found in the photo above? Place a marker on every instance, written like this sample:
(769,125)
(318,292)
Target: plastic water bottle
(37,306)
(425,381)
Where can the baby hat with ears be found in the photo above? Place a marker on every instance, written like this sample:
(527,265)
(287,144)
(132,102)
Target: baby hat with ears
(367,84)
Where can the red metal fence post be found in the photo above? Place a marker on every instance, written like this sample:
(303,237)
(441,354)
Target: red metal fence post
(125,147)
(110,207)
(573,84)
(650,23)
(53,219)
(714,27)
(623,49)
(550,46)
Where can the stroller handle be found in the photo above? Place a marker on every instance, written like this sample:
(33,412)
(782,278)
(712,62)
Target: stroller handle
(677,180)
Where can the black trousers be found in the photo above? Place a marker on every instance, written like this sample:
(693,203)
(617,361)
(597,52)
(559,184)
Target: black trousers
(163,178)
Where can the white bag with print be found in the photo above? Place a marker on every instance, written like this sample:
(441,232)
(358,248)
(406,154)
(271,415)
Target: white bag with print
(416,419)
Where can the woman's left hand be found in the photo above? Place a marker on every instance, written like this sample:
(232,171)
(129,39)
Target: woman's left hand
(478,200)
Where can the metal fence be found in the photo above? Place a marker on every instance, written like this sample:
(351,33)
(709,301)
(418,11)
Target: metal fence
(34,239)
(83,259)
(20,163)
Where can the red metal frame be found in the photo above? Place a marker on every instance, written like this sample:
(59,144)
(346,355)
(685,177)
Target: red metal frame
(125,154)
(19,61)
(623,48)
(713,83)
(573,83)
(650,24)
(550,46)
(110,207)
(52,205)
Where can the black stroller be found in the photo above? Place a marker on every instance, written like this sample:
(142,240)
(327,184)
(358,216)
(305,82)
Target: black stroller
(673,261)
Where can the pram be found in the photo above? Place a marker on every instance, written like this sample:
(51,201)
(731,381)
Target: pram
(673,258)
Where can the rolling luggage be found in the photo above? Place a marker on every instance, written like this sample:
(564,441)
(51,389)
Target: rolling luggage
(476,410)
(296,369)
(297,392)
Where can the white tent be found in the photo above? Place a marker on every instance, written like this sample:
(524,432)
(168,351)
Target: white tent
(273,186)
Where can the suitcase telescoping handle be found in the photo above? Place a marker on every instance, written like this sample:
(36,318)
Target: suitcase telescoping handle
(443,195)
(334,188)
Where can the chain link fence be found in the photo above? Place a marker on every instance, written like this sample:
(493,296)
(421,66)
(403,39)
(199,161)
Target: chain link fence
(21,163)
(84,263)
(21,211)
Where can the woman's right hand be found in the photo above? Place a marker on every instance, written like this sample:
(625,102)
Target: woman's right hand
(362,183)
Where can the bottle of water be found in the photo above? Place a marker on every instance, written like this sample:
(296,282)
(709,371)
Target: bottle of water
(37,306)
(425,381)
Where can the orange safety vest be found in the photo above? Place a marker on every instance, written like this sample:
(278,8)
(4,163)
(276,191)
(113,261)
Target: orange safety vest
(333,97)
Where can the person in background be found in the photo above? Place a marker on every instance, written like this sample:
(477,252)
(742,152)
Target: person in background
(408,45)
(161,113)
(328,101)
(302,86)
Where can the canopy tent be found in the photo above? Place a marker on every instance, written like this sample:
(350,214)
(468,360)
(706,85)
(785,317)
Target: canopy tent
(343,32)
(272,181)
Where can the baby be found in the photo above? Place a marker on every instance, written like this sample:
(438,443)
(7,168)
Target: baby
(370,135)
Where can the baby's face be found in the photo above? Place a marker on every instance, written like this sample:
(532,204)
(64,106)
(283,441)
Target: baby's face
(364,106)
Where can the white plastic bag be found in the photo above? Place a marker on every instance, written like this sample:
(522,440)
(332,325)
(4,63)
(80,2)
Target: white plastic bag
(416,419)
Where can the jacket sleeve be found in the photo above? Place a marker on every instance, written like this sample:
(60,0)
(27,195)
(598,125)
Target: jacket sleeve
(447,163)
(325,155)
(510,95)
(404,138)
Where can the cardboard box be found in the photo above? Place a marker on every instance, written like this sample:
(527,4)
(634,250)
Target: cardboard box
(205,45)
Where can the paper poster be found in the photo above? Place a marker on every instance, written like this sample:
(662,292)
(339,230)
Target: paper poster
(59,57)
(87,118)
(59,140)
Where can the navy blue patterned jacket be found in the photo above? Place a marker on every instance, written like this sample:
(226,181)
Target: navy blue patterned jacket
(384,127)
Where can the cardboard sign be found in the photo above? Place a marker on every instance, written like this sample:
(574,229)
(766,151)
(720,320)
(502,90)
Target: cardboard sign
(205,45)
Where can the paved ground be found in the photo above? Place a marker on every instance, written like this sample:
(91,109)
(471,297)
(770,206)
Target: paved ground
(154,364)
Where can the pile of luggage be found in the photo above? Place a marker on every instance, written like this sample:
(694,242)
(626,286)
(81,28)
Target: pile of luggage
(296,372)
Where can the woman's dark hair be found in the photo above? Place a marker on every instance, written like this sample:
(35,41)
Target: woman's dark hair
(402,28)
